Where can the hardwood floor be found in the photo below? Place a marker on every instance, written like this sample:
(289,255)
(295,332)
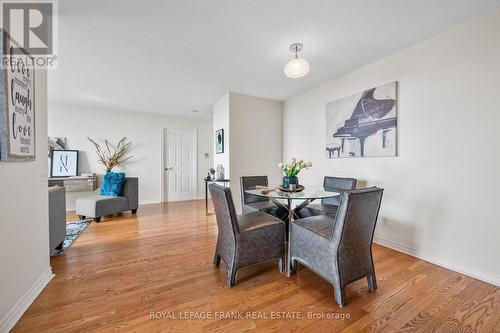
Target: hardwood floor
(123,271)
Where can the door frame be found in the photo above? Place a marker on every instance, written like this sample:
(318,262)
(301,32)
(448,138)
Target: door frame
(194,159)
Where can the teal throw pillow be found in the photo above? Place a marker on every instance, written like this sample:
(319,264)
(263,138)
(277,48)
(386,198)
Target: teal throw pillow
(112,184)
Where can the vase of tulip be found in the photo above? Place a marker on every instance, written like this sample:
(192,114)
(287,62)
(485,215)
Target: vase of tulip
(290,172)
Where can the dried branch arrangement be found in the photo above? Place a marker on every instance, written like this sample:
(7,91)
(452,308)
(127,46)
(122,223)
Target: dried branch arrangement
(111,156)
(266,189)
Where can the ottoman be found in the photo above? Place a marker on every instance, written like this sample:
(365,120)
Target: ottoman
(96,206)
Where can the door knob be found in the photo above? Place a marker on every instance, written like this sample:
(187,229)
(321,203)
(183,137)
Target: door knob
(168,168)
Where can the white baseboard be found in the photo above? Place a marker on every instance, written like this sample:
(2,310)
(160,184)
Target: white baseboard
(469,271)
(11,318)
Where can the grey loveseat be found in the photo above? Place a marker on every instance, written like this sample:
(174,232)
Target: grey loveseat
(57,217)
(97,206)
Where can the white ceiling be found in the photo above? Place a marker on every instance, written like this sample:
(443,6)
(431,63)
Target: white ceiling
(175,56)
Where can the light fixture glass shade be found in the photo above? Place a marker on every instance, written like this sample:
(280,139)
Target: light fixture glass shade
(296,68)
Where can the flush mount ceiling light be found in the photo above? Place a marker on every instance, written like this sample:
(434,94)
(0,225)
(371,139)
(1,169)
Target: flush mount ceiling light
(296,67)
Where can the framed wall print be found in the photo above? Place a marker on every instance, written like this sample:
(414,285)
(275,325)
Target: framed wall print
(219,141)
(363,125)
(55,143)
(64,163)
(17,103)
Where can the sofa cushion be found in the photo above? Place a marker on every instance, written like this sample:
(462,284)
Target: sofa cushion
(99,205)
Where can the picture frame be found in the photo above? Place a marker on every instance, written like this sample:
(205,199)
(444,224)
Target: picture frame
(54,143)
(364,124)
(64,163)
(17,115)
(219,141)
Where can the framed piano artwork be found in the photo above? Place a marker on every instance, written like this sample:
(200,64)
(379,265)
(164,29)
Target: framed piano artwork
(363,125)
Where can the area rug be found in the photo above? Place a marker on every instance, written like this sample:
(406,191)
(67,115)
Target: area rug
(73,230)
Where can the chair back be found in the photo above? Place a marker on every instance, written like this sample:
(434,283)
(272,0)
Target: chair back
(249,183)
(337,184)
(224,212)
(355,223)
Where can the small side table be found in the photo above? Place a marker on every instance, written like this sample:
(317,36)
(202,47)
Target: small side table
(224,182)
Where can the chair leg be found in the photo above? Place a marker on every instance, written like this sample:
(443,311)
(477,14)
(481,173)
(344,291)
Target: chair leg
(81,217)
(97,219)
(340,297)
(231,277)
(134,211)
(372,282)
(216,260)
(282,265)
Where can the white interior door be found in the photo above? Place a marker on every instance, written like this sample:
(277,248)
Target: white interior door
(179,164)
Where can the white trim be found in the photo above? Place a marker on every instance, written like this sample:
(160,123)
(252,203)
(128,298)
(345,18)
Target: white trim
(195,163)
(162,165)
(466,270)
(11,318)
(194,158)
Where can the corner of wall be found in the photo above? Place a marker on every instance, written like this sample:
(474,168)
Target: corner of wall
(13,316)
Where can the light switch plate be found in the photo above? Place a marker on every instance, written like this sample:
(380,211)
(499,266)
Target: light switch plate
(43,179)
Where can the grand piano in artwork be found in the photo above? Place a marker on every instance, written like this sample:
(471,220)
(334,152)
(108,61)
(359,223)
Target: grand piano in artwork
(367,119)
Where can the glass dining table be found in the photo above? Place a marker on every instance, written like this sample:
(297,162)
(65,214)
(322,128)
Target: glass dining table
(308,195)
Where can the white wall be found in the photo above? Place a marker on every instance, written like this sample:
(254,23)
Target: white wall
(143,129)
(441,192)
(253,138)
(256,139)
(24,227)
(221,121)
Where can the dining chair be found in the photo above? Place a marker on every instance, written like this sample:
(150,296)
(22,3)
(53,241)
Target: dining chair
(338,248)
(253,203)
(328,205)
(247,239)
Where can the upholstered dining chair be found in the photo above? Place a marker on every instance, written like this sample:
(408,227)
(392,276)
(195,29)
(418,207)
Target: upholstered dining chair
(247,239)
(253,203)
(328,205)
(338,248)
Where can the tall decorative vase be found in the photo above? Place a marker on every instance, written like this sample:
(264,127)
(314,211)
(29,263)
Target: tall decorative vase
(219,172)
(287,181)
